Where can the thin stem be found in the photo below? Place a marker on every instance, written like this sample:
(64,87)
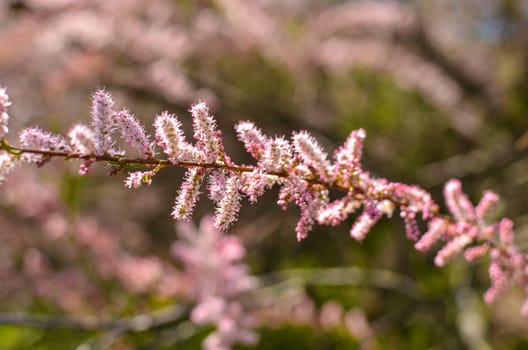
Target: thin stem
(357,193)
(153,162)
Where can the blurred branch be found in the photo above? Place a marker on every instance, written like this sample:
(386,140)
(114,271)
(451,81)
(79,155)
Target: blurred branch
(479,163)
(138,323)
(398,40)
(470,83)
(339,276)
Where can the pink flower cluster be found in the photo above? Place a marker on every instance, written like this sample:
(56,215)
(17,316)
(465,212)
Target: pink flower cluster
(469,231)
(300,167)
(213,267)
(306,174)
(4,117)
(6,160)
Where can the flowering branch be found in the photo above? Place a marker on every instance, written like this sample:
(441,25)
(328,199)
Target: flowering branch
(300,167)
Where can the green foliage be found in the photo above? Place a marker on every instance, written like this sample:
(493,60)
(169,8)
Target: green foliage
(72,190)
(12,338)
(303,337)
(402,127)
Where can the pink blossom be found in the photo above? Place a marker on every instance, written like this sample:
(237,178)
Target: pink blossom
(170,137)
(477,252)
(38,139)
(188,195)
(310,201)
(486,204)
(206,133)
(348,157)
(365,221)
(213,266)
(411,226)
(229,205)
(138,274)
(254,184)
(134,133)
(216,185)
(312,154)
(418,200)
(457,202)
(85,166)
(7,165)
(4,117)
(252,138)
(524,308)
(337,211)
(230,249)
(277,155)
(82,139)
(437,227)
(331,315)
(453,247)
(499,282)
(137,178)
(290,191)
(506,231)
(103,122)
(209,310)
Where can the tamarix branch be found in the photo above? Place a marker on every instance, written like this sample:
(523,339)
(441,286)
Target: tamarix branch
(299,166)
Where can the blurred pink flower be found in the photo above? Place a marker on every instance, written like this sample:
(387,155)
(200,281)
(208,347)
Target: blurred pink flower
(218,280)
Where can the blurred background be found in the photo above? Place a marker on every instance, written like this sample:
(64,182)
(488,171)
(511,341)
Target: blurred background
(441,87)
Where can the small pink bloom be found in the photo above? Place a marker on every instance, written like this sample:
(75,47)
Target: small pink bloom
(477,252)
(252,138)
(278,155)
(137,178)
(310,201)
(312,154)
(7,165)
(364,223)
(4,117)
(38,139)
(524,308)
(453,247)
(486,204)
(134,133)
(457,202)
(337,211)
(216,185)
(499,282)
(229,205)
(506,234)
(188,195)
(171,139)
(103,122)
(82,139)
(411,226)
(348,157)
(254,184)
(206,133)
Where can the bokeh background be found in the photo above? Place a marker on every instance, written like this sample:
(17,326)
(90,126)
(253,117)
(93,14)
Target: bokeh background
(440,86)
